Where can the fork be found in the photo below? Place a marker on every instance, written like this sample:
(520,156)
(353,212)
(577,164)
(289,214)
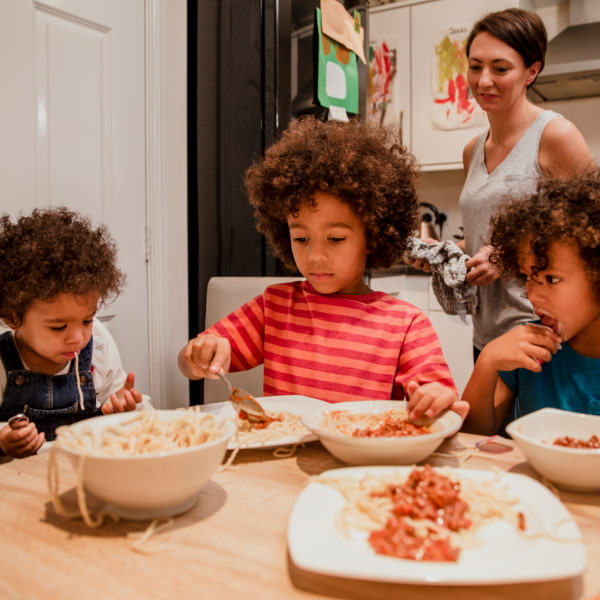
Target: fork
(245,402)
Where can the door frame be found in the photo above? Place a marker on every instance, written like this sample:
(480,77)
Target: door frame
(166,197)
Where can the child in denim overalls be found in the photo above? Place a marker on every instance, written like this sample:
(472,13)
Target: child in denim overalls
(57,364)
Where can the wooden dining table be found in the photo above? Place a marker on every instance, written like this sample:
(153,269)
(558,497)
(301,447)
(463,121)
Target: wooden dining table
(233,543)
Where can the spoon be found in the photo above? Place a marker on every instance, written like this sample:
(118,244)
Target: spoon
(245,402)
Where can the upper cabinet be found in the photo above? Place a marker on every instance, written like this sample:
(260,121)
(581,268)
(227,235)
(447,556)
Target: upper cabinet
(418,75)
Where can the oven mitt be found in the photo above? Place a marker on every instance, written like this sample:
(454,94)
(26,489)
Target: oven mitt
(448,270)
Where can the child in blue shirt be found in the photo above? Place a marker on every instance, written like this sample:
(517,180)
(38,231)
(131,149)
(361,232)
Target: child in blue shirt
(58,364)
(551,242)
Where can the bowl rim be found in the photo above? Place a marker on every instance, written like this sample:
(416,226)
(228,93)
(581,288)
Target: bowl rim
(381,406)
(229,428)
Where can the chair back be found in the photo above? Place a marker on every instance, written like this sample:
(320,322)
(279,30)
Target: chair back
(223,296)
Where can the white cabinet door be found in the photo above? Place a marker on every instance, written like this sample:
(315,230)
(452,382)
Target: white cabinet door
(440,126)
(455,336)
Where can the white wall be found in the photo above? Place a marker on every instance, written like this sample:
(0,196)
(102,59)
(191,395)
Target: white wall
(174,387)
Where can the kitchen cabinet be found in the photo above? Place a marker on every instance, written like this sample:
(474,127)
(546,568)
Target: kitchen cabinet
(434,127)
(455,335)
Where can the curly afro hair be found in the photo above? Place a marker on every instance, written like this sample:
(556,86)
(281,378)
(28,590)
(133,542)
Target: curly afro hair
(565,211)
(363,165)
(54,251)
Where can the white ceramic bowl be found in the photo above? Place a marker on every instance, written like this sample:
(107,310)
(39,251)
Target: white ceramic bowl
(569,468)
(380,451)
(153,484)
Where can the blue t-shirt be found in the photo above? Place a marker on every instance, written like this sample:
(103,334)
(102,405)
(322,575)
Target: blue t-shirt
(570,381)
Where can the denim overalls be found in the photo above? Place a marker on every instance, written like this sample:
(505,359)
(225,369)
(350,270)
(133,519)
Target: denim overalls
(48,400)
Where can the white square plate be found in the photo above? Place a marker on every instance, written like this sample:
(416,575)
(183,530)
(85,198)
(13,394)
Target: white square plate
(504,557)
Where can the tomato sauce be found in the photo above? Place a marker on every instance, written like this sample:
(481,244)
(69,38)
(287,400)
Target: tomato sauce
(424,495)
(392,427)
(263,424)
(571,442)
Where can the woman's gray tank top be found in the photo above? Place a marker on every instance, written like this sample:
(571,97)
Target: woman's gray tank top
(501,304)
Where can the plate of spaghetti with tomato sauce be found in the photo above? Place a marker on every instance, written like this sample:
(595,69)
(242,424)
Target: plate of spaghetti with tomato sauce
(433,525)
(283,427)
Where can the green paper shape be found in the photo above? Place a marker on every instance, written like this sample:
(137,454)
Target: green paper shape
(337,72)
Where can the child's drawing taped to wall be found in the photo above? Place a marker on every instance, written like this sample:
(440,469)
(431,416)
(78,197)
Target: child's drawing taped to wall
(453,104)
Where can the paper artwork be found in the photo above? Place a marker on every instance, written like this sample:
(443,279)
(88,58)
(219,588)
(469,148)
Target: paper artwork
(453,104)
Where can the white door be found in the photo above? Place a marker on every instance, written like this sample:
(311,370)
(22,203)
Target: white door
(72,123)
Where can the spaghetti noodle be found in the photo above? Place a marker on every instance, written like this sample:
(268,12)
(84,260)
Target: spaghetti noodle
(79,391)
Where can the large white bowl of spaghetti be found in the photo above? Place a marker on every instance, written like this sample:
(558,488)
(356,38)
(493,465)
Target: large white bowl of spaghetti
(142,464)
(377,432)
(562,446)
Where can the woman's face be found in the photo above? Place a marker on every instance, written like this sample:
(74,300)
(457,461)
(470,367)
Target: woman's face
(329,244)
(497,74)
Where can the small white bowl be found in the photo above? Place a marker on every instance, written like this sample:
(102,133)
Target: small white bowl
(363,451)
(569,468)
(149,485)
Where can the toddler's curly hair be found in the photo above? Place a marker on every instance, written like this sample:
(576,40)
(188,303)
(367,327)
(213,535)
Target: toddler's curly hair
(363,165)
(565,211)
(54,251)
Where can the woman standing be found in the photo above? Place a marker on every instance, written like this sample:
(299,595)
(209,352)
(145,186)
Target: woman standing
(524,142)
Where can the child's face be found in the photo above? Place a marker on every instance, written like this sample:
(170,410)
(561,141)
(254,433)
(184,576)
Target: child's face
(329,244)
(52,332)
(562,295)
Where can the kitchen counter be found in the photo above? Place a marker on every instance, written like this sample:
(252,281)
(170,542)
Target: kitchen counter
(396,270)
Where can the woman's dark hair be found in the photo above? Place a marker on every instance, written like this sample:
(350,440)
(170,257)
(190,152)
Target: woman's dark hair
(522,30)
(50,252)
(563,211)
(363,165)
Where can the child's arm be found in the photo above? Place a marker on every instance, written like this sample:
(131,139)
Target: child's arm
(526,347)
(21,442)
(430,399)
(489,399)
(124,400)
(204,355)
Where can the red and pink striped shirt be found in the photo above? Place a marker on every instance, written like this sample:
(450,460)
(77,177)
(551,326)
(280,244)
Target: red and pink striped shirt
(334,347)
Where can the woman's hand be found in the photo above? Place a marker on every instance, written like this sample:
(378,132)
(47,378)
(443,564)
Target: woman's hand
(124,400)
(21,442)
(479,269)
(205,355)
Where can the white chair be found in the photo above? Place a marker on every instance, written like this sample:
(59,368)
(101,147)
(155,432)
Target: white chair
(223,296)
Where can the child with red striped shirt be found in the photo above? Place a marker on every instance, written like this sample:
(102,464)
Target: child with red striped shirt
(333,200)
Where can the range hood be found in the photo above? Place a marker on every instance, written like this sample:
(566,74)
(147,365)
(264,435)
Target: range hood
(572,67)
